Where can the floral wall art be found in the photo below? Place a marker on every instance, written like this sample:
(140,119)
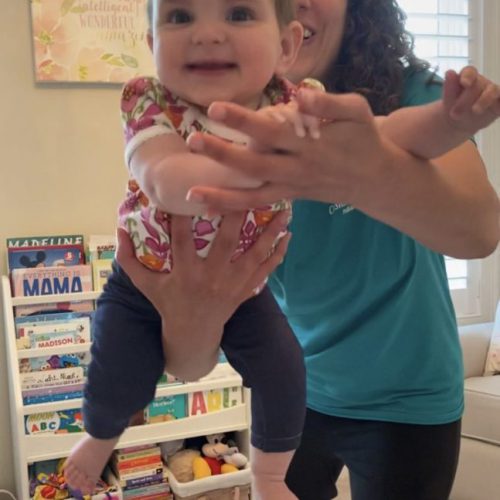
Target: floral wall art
(90,40)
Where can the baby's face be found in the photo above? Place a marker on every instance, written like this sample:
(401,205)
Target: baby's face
(208,50)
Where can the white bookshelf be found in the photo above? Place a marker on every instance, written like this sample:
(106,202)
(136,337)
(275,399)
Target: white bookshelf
(28,449)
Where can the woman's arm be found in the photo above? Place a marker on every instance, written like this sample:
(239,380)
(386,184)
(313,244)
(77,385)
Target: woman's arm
(447,204)
(197,298)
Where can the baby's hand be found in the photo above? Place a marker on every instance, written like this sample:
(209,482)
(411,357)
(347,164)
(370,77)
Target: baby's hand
(471,101)
(289,113)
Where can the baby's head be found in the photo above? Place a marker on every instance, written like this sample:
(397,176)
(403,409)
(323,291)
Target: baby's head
(208,50)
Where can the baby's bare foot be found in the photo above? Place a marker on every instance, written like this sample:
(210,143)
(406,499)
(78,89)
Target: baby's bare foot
(86,461)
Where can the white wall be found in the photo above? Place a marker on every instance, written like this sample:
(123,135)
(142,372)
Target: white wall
(60,162)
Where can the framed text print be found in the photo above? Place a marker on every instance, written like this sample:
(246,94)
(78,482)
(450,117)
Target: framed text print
(90,40)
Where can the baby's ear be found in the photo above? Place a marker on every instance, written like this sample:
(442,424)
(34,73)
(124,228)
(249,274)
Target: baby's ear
(291,40)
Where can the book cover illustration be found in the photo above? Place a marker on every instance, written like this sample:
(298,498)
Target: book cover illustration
(75,306)
(30,282)
(202,402)
(43,330)
(166,408)
(101,247)
(101,269)
(54,422)
(69,255)
(51,385)
(55,362)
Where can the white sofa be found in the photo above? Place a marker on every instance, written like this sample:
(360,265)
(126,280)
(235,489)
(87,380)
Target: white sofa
(478,474)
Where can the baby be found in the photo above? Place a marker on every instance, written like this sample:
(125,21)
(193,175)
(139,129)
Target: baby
(206,51)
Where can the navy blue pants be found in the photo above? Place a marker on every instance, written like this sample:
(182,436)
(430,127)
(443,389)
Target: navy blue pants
(127,361)
(386,461)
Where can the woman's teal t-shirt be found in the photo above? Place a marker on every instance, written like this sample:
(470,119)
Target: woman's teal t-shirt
(372,311)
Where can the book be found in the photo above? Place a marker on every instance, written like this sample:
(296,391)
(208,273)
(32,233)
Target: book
(30,282)
(166,408)
(54,362)
(54,422)
(18,258)
(101,247)
(51,385)
(101,269)
(49,379)
(37,396)
(202,402)
(150,492)
(30,328)
(150,461)
(74,306)
(142,481)
(45,241)
(120,455)
(137,472)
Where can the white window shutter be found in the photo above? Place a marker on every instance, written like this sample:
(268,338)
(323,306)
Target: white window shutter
(444,32)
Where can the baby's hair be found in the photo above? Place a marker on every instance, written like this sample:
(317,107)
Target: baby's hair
(285,11)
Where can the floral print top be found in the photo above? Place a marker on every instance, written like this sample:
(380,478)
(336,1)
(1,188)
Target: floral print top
(149,109)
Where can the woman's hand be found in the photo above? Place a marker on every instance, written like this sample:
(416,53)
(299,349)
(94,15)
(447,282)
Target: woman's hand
(330,168)
(197,298)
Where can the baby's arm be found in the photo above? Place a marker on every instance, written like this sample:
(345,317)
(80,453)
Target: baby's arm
(165,170)
(470,103)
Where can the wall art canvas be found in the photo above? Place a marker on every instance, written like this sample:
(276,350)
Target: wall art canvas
(99,41)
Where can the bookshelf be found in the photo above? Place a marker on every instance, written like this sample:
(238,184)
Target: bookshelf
(28,449)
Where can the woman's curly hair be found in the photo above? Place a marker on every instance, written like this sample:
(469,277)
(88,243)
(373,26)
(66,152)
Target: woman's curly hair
(374,52)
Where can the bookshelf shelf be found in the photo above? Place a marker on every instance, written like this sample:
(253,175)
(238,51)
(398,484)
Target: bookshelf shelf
(45,446)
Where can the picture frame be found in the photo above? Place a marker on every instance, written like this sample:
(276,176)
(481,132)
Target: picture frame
(90,41)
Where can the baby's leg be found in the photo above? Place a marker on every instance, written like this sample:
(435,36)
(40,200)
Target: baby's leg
(259,343)
(127,360)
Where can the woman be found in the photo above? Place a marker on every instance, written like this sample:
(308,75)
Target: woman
(363,283)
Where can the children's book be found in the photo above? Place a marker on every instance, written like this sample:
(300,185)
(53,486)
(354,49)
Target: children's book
(32,329)
(45,241)
(101,269)
(137,472)
(20,258)
(142,481)
(55,362)
(50,379)
(125,466)
(202,402)
(166,408)
(56,280)
(149,492)
(123,454)
(101,247)
(75,306)
(51,385)
(54,422)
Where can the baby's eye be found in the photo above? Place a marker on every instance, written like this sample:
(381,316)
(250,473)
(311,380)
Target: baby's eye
(240,14)
(178,16)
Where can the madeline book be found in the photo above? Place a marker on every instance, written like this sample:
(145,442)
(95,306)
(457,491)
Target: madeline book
(58,280)
(45,241)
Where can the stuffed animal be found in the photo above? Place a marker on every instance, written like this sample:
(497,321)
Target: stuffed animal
(181,464)
(219,456)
